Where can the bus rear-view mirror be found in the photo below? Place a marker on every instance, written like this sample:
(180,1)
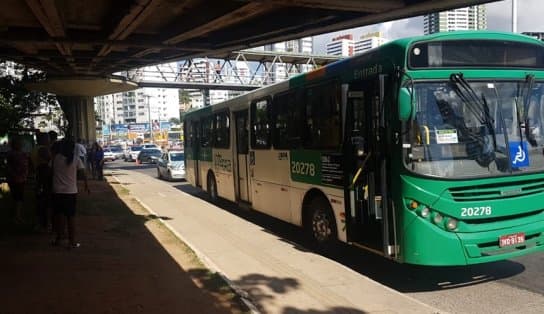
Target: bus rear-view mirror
(405,104)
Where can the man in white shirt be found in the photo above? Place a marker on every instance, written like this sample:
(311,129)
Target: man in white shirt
(81,150)
(65,166)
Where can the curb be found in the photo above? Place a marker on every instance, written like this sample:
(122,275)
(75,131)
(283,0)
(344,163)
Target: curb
(244,296)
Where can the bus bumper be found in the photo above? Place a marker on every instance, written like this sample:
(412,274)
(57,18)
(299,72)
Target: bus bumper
(426,244)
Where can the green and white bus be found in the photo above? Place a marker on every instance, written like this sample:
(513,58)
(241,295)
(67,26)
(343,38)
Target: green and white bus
(426,150)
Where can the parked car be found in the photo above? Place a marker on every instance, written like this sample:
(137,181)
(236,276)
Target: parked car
(132,153)
(108,155)
(171,165)
(149,155)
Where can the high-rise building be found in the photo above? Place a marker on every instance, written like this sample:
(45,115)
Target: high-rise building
(300,46)
(537,35)
(469,18)
(141,105)
(341,46)
(369,41)
(202,70)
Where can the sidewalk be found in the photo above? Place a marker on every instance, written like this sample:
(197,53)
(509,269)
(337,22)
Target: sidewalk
(277,277)
(127,263)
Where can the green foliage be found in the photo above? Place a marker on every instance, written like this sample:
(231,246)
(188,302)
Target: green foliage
(184,96)
(174,121)
(18,103)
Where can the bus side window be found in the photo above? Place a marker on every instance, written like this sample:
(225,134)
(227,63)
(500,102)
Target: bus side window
(287,119)
(323,116)
(221,130)
(206,136)
(260,124)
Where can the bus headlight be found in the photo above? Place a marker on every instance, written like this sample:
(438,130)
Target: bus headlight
(437,219)
(425,212)
(451,224)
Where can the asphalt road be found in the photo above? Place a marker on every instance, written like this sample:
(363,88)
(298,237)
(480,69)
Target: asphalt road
(511,286)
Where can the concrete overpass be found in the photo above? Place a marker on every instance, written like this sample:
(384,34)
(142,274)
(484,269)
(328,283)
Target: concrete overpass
(83,42)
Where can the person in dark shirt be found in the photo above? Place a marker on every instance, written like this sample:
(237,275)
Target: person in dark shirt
(17,172)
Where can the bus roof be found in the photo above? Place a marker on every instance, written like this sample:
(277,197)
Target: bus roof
(390,54)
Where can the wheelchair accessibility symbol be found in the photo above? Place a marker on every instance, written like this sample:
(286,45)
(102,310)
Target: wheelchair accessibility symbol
(519,155)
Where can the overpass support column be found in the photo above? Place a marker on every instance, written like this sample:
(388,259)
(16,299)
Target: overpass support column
(79,111)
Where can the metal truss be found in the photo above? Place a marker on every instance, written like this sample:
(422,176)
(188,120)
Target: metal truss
(238,70)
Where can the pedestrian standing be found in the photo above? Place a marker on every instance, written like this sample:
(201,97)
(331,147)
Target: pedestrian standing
(42,162)
(17,173)
(81,150)
(98,161)
(66,165)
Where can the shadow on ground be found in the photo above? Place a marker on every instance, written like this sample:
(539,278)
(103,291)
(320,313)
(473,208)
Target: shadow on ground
(401,277)
(121,267)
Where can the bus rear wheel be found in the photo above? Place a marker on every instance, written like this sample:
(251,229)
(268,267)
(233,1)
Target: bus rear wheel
(212,187)
(321,225)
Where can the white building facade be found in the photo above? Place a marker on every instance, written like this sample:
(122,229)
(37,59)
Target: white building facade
(142,105)
(341,46)
(299,46)
(469,18)
(369,41)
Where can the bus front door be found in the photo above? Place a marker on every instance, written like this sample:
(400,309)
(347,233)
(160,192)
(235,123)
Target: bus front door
(363,187)
(242,143)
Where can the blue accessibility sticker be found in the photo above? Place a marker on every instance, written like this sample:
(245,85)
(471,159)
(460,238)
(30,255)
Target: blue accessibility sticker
(519,154)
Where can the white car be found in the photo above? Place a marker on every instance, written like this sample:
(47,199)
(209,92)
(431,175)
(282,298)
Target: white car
(132,153)
(171,165)
(146,146)
(109,155)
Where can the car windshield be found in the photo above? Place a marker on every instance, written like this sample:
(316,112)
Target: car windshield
(176,156)
(116,149)
(475,129)
(136,148)
(153,152)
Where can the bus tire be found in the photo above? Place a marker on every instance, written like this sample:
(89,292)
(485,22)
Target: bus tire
(212,187)
(320,224)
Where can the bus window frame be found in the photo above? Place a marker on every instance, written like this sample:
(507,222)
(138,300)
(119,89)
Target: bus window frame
(306,129)
(299,125)
(226,135)
(254,144)
(210,142)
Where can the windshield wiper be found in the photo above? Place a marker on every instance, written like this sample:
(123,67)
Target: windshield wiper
(467,94)
(529,83)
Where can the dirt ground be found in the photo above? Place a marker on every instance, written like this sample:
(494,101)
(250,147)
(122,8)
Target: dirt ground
(128,262)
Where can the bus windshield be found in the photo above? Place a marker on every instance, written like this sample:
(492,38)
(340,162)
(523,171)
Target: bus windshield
(476,129)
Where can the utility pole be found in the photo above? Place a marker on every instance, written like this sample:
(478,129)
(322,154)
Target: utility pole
(150,123)
(514,16)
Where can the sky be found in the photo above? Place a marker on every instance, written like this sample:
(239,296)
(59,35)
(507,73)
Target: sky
(530,15)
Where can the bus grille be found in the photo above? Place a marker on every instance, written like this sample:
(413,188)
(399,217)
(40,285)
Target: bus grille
(497,190)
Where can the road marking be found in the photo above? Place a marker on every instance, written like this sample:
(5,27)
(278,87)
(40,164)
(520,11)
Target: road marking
(160,194)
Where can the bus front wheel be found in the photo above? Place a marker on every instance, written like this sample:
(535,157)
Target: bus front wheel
(321,224)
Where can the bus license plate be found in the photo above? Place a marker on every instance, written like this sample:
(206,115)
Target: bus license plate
(511,239)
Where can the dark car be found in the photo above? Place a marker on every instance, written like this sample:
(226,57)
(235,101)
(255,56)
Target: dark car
(149,155)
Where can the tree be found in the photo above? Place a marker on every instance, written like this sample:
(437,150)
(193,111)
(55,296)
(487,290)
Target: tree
(18,103)
(174,121)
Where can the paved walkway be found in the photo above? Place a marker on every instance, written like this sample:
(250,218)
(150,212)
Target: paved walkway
(277,277)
